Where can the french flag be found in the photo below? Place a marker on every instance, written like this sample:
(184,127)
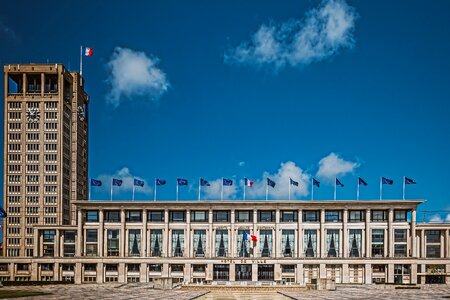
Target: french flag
(248,182)
(87,51)
(248,237)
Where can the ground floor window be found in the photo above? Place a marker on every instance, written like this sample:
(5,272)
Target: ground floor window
(221,272)
(111,278)
(90,279)
(132,279)
(265,272)
(402,274)
(243,272)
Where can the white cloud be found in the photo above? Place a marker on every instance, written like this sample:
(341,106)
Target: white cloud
(127,181)
(281,177)
(241,163)
(321,34)
(8,32)
(214,191)
(435,219)
(447,218)
(332,166)
(133,73)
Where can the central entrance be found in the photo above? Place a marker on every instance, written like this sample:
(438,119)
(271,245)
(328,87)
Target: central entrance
(243,272)
(265,272)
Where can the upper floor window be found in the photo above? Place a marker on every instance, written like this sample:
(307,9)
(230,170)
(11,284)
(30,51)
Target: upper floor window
(177,216)
(400,215)
(155,216)
(378,216)
(400,235)
(289,216)
(311,216)
(221,216)
(91,216)
(433,236)
(134,216)
(199,216)
(112,216)
(356,216)
(244,216)
(266,216)
(333,216)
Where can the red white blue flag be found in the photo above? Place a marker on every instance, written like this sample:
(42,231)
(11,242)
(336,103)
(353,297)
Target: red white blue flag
(87,51)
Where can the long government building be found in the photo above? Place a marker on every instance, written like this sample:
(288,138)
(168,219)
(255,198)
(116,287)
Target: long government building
(52,233)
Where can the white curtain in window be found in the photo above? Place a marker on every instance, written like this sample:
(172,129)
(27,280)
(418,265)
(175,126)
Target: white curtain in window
(177,242)
(265,242)
(199,248)
(134,242)
(332,234)
(355,234)
(310,234)
(287,236)
(222,234)
(242,250)
(156,242)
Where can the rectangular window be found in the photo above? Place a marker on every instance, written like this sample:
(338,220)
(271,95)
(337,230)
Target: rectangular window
(311,216)
(355,242)
(243,245)
(288,242)
(156,242)
(400,215)
(221,216)
(199,243)
(433,236)
(356,216)
(91,242)
(177,243)
(332,243)
(289,216)
(221,242)
(377,242)
(266,216)
(112,242)
(399,250)
(244,216)
(287,268)
(177,216)
(433,251)
(91,216)
(400,235)
(155,216)
(378,215)
(112,216)
(134,242)
(333,216)
(134,216)
(265,242)
(199,216)
(310,242)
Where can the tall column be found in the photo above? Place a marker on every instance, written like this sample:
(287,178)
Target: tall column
(231,242)
(322,234)
(56,244)
(101,234)
(391,233)
(367,274)
(144,246)
(413,273)
(122,273)
(232,272)
(447,248)
(254,272)
(100,270)
(122,251)
(212,237)
(79,246)
(187,239)
(390,273)
(166,234)
(299,276)
(413,233)
(256,249)
(345,274)
(422,244)
(299,240)
(442,244)
(78,273)
(367,241)
(345,235)
(277,251)
(143,273)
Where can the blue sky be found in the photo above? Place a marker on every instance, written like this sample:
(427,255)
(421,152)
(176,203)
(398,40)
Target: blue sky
(253,89)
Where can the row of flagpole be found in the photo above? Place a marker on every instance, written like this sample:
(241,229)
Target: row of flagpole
(248,183)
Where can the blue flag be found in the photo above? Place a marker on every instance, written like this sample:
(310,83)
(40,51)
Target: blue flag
(3,213)
(227,182)
(95,182)
(138,182)
(316,182)
(339,183)
(204,182)
(361,181)
(293,182)
(387,181)
(160,181)
(117,182)
(409,181)
(182,181)
(271,182)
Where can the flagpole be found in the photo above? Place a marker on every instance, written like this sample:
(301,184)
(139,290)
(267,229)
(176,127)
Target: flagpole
(312,189)
(111,188)
(404,185)
(154,191)
(357,191)
(81,60)
(267,190)
(133,190)
(289,188)
(90,186)
(245,185)
(199,189)
(334,189)
(381,189)
(221,194)
(177,189)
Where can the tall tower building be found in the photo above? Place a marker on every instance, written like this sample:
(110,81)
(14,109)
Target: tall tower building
(45,150)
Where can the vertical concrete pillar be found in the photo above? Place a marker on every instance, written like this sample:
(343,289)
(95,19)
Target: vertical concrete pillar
(144,236)
(187,239)
(122,244)
(390,233)
(232,272)
(276,245)
(345,234)
(231,241)
(100,273)
(12,271)
(254,272)
(209,272)
(78,273)
(122,273)
(210,236)
(345,274)
(299,278)
(447,270)
(56,244)
(413,233)
(390,271)
(414,273)
(79,247)
(321,238)
(101,234)
(422,244)
(34,271)
(165,270)
(187,272)
(323,271)
(277,272)
(367,274)
(166,235)
(56,271)
(367,231)
(447,248)
(143,276)
(299,237)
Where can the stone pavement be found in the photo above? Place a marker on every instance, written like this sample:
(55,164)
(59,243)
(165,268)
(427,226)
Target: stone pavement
(106,291)
(433,292)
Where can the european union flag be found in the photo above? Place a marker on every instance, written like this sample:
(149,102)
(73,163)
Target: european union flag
(339,183)
(182,181)
(95,182)
(138,182)
(271,182)
(117,182)
(316,182)
(293,182)
(227,182)
(387,181)
(361,181)
(160,181)
(204,182)
(3,213)
(409,181)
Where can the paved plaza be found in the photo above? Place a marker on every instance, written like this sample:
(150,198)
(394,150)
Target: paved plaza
(143,291)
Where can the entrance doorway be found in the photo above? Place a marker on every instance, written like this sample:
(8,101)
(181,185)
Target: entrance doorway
(243,272)
(265,272)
